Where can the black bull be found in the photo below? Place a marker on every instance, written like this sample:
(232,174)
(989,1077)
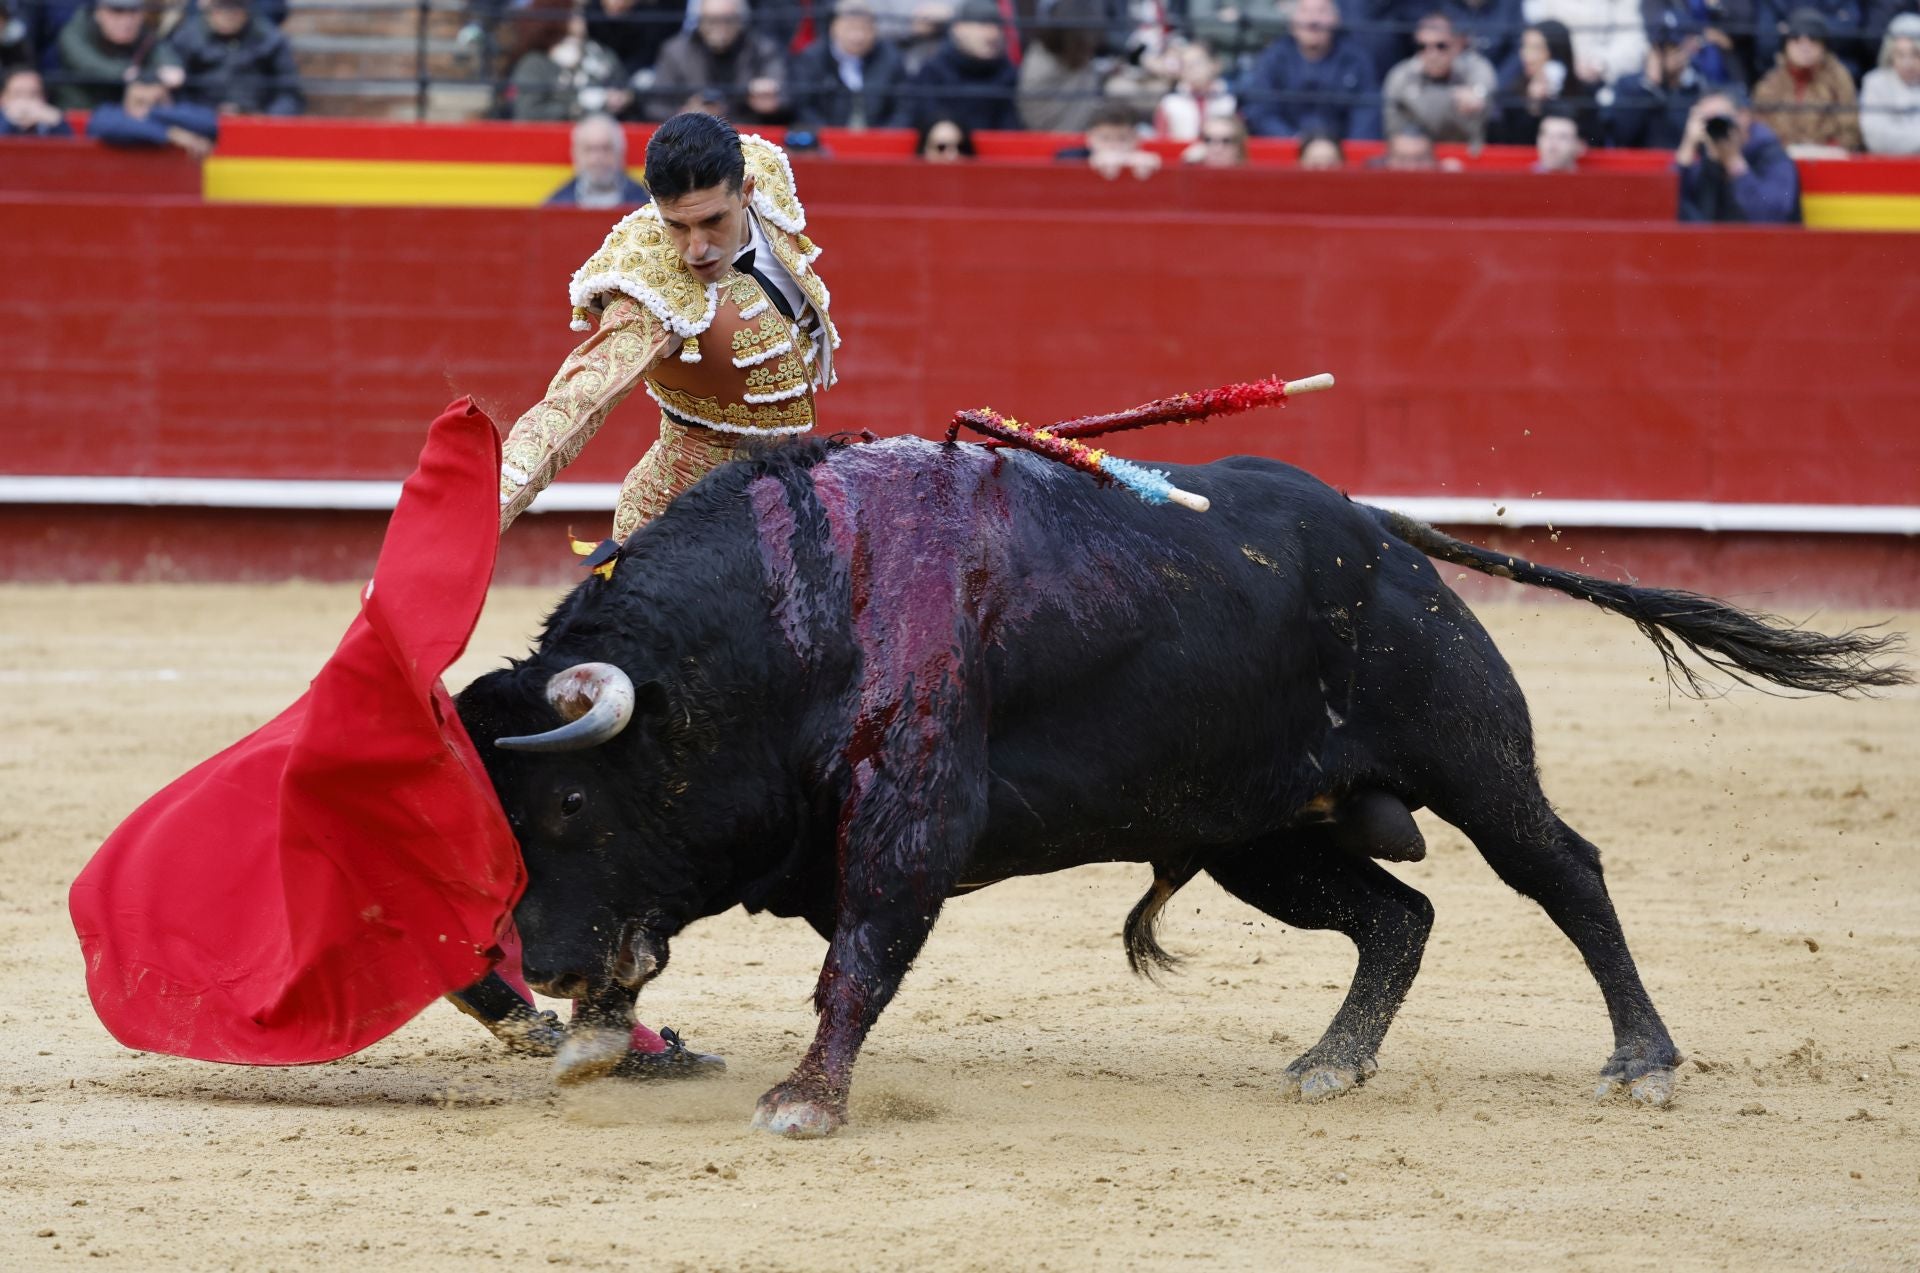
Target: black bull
(865,679)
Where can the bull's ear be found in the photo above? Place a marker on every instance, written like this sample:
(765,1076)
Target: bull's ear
(650,699)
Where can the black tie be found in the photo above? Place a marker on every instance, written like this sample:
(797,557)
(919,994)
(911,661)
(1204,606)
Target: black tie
(744,263)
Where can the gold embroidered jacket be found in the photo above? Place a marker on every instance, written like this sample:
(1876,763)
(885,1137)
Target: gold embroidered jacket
(742,367)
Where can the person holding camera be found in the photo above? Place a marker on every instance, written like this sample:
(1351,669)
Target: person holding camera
(1732,167)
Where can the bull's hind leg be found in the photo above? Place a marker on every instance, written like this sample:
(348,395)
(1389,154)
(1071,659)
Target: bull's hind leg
(1537,854)
(1309,883)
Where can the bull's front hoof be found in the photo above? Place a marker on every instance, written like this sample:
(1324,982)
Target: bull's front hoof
(589,1054)
(1312,1080)
(797,1117)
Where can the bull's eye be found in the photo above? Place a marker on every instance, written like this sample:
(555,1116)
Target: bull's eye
(572,803)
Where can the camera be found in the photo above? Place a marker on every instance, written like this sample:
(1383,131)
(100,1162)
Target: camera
(1719,127)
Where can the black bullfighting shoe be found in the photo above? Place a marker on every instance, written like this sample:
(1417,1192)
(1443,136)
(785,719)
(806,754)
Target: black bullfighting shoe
(677,1061)
(1376,824)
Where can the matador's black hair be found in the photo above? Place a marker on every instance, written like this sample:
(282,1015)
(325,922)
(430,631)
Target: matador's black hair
(693,152)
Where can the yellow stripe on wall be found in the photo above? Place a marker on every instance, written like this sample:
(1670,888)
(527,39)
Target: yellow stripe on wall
(382,183)
(1861,211)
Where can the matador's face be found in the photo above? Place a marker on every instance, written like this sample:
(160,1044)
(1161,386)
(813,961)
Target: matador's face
(709,227)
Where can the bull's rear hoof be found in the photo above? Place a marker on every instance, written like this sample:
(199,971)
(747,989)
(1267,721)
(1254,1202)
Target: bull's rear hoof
(1322,1081)
(1654,1088)
(589,1054)
(797,1119)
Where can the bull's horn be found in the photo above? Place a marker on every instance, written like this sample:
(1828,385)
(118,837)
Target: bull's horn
(596,701)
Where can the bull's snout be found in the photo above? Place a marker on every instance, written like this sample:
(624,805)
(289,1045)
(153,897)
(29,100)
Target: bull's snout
(557,985)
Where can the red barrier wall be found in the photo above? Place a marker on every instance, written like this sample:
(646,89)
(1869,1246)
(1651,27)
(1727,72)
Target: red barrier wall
(1495,358)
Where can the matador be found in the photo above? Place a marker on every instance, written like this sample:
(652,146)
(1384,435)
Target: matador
(708,297)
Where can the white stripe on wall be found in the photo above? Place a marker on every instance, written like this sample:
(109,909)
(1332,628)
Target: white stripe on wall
(598,497)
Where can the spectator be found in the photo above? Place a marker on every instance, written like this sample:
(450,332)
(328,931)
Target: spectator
(851,79)
(600,178)
(1061,71)
(97,51)
(1846,30)
(970,79)
(1732,167)
(1443,91)
(1408,150)
(634,30)
(557,72)
(236,62)
(1314,79)
(1542,76)
(1609,36)
(1113,145)
(1320,152)
(16,39)
(1491,28)
(926,34)
(1222,144)
(1807,98)
(147,116)
(1558,145)
(1890,96)
(1199,96)
(24,110)
(1724,49)
(1649,110)
(944,141)
(721,53)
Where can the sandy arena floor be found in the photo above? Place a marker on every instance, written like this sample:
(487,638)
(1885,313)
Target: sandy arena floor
(1026,1103)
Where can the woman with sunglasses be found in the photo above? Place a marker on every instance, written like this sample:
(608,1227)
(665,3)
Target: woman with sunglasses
(944,141)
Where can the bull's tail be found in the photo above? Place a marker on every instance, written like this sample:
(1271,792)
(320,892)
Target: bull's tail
(1740,643)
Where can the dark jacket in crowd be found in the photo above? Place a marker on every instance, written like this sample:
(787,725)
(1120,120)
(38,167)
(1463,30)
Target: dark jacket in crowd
(1768,193)
(1284,95)
(636,36)
(1881,12)
(687,65)
(1715,64)
(821,98)
(111,124)
(1649,116)
(253,71)
(1492,28)
(975,93)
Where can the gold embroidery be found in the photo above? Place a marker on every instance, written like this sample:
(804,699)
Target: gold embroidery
(638,259)
(593,380)
(783,373)
(671,465)
(773,183)
(792,414)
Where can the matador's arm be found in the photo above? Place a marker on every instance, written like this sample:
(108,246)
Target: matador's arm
(603,370)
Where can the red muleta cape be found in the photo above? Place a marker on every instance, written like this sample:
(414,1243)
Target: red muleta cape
(307,891)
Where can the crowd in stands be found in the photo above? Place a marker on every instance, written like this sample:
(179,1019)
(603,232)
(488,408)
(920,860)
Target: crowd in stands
(1737,85)
(1842,74)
